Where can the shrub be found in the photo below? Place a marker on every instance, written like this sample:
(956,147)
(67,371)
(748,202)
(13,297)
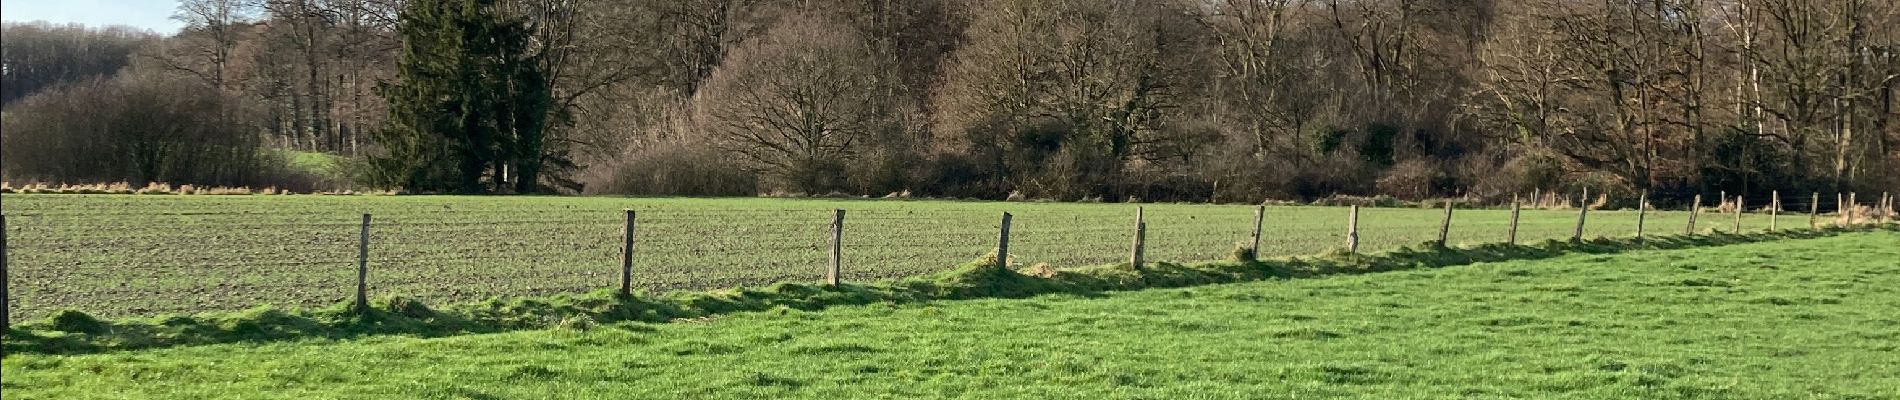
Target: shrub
(676,169)
(1411,179)
(138,128)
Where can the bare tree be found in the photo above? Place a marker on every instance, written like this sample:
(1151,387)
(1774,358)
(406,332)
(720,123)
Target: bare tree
(213,29)
(797,102)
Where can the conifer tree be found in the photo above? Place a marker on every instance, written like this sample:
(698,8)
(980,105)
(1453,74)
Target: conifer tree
(467,110)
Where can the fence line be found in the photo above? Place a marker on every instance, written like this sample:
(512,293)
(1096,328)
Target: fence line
(1880,210)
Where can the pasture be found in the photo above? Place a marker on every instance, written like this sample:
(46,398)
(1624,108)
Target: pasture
(1808,318)
(122,255)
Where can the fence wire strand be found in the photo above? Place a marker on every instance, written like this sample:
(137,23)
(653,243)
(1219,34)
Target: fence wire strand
(309,257)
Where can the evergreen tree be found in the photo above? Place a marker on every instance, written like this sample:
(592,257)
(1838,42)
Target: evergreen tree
(467,111)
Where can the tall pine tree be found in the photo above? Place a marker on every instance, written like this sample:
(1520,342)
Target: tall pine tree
(470,103)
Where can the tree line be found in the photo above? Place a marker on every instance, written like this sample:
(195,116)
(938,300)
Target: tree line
(1197,100)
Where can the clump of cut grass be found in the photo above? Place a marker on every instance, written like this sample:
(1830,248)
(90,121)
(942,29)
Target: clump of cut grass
(156,188)
(1242,253)
(77,322)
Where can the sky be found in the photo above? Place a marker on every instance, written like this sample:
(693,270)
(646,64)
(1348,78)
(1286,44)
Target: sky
(148,14)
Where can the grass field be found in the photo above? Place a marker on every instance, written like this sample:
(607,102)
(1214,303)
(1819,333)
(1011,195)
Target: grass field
(115,255)
(1789,319)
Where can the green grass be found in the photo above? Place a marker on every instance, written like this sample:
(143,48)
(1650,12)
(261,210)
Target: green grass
(1805,318)
(121,256)
(317,164)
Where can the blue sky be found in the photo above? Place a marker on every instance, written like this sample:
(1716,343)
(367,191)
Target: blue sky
(150,14)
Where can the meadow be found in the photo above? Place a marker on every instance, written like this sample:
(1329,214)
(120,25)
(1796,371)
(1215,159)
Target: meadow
(126,256)
(1805,318)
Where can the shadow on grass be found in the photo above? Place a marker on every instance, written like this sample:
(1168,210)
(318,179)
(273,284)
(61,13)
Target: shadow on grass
(72,332)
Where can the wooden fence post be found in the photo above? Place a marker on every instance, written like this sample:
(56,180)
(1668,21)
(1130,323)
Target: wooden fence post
(1352,231)
(1739,206)
(1444,227)
(1852,203)
(1642,213)
(1583,213)
(362,268)
(626,256)
(1515,209)
(1694,211)
(1840,209)
(1002,243)
(1774,212)
(836,269)
(1814,212)
(6,306)
(1886,208)
(1259,215)
(1141,235)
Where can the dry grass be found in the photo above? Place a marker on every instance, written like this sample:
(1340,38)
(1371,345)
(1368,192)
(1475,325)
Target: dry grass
(159,188)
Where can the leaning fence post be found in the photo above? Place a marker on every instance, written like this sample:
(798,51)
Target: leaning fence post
(1444,227)
(1694,211)
(362,268)
(1642,213)
(1814,212)
(6,306)
(1516,207)
(1774,212)
(1259,215)
(1583,213)
(832,274)
(1002,243)
(626,256)
(1141,235)
(1352,231)
(1739,206)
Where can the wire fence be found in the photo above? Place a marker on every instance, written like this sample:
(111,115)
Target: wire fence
(118,261)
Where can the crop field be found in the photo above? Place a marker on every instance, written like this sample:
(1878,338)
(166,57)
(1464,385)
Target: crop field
(121,255)
(1808,318)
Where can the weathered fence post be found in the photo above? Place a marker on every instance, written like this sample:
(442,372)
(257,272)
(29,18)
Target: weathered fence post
(1739,206)
(1886,207)
(1814,212)
(1852,203)
(1694,210)
(362,268)
(626,256)
(1642,213)
(1840,209)
(1444,227)
(6,306)
(1141,235)
(1002,243)
(1774,212)
(1583,213)
(1259,215)
(832,274)
(1352,231)
(1515,209)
